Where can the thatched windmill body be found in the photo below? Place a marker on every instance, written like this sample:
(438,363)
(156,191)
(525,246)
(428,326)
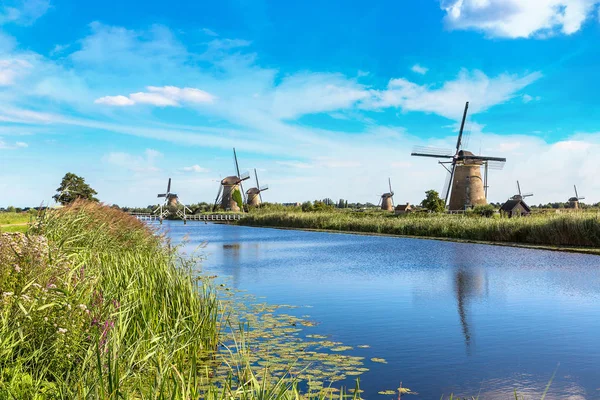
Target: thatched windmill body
(231,194)
(387,199)
(465,187)
(170,205)
(574,201)
(253,196)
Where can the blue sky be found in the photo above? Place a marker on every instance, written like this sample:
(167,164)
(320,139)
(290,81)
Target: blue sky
(325,99)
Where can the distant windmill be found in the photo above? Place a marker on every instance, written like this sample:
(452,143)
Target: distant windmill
(574,201)
(230,193)
(520,196)
(464,186)
(254,197)
(387,199)
(170,205)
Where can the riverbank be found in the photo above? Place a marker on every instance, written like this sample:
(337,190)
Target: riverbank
(95,304)
(564,232)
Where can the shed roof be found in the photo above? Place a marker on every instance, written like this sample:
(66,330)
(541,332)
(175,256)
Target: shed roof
(511,204)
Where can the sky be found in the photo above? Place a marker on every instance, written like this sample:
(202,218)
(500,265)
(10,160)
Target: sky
(324,99)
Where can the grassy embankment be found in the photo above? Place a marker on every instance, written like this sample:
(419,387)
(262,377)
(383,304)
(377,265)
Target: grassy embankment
(94,305)
(579,230)
(15,222)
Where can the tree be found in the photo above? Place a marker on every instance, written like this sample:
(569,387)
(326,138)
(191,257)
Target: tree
(433,202)
(73,187)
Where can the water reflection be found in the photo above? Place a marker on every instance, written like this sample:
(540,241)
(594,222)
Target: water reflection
(514,313)
(468,283)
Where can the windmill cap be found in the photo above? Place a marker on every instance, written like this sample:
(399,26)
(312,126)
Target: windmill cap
(253,191)
(230,181)
(387,195)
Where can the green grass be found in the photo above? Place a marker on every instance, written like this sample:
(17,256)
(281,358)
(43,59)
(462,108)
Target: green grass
(15,222)
(95,305)
(581,230)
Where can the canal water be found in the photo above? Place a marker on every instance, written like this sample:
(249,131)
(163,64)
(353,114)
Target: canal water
(448,317)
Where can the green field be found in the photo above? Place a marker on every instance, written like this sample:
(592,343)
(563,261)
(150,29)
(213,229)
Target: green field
(15,222)
(574,229)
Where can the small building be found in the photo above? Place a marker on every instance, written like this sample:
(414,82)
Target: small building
(403,209)
(515,208)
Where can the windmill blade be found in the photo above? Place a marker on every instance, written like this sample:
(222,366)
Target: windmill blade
(576,195)
(263,188)
(496,165)
(431,155)
(462,127)
(449,185)
(519,189)
(235,160)
(446,184)
(581,198)
(218,195)
(527,195)
(162,195)
(256,176)
(169,186)
(245,176)
(432,150)
(390,185)
(483,158)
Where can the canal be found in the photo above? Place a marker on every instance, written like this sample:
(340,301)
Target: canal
(447,317)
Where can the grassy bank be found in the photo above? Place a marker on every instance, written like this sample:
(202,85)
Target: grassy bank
(581,230)
(95,305)
(15,222)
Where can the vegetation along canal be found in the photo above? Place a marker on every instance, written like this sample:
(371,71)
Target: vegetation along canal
(446,317)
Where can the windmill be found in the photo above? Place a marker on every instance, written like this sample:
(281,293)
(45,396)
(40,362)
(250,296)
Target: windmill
(253,194)
(574,201)
(464,186)
(171,205)
(231,191)
(520,196)
(387,199)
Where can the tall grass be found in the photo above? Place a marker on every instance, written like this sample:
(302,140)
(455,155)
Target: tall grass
(573,229)
(95,305)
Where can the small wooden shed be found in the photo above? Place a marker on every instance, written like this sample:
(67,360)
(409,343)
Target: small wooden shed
(515,208)
(403,209)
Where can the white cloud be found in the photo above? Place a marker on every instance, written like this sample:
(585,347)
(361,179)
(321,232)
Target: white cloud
(194,168)
(115,101)
(11,69)
(140,164)
(519,18)
(312,93)
(419,69)
(209,32)
(527,98)
(23,12)
(448,100)
(159,96)
(12,146)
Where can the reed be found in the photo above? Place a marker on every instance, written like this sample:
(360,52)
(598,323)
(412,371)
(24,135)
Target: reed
(93,304)
(569,229)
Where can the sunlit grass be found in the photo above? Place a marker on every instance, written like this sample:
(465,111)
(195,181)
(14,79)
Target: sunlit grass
(569,229)
(93,304)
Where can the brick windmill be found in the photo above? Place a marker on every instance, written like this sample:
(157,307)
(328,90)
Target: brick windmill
(574,201)
(387,199)
(171,205)
(465,187)
(253,194)
(231,195)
